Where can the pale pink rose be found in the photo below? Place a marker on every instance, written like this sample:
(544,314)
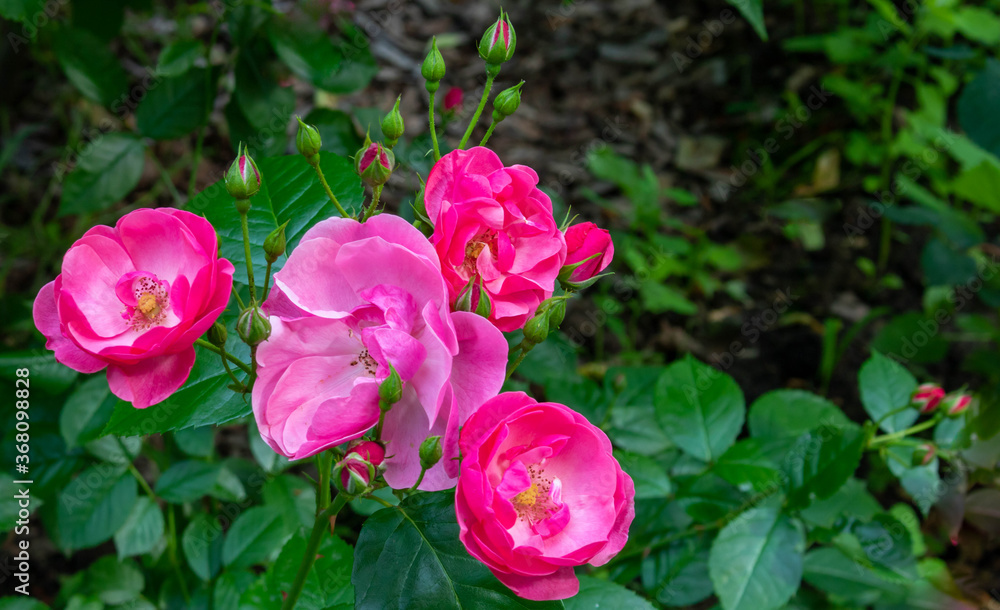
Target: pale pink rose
(351,299)
(539,493)
(134,298)
(583,241)
(492,222)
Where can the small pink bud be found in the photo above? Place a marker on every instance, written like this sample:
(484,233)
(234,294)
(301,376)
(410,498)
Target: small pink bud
(927,397)
(360,466)
(375,163)
(924,454)
(956,404)
(453,99)
(589,251)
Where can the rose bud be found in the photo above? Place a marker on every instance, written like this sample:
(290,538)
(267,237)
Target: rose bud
(589,251)
(927,396)
(243,180)
(453,99)
(497,44)
(923,455)
(275,243)
(539,493)
(392,125)
(507,102)
(217,334)
(374,164)
(956,404)
(359,467)
(433,68)
(307,142)
(430,452)
(252,326)
(390,391)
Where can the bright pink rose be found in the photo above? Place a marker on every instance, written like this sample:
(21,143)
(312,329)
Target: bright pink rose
(351,299)
(583,241)
(134,298)
(491,222)
(539,493)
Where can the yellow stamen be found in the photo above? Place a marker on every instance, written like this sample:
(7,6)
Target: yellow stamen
(148,305)
(528,497)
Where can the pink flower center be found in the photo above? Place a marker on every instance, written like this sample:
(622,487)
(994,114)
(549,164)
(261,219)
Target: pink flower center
(365,361)
(146,300)
(475,247)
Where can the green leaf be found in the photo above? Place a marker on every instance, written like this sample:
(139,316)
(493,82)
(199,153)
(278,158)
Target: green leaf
(700,408)
(851,500)
(631,391)
(229,589)
(19,603)
(196,442)
(178,57)
(103,18)
(830,570)
(177,105)
(290,192)
(105,173)
(48,375)
(190,480)
(311,54)
(923,483)
(913,336)
(821,461)
(410,556)
(677,575)
(268,459)
(113,581)
(329,580)
(885,392)
(791,413)
(651,481)
(202,543)
(256,535)
(294,497)
(756,561)
(977,107)
(141,531)
(20,10)
(752,11)
(205,399)
(886,543)
(753,461)
(94,505)
(597,593)
(90,65)
(86,412)
(978,185)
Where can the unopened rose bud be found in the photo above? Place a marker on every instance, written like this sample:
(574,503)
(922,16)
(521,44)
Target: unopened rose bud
(433,68)
(392,125)
(556,314)
(243,180)
(453,99)
(253,326)
(589,251)
(497,44)
(308,142)
(926,397)
(507,102)
(464,300)
(537,328)
(274,243)
(218,334)
(390,390)
(374,164)
(354,474)
(430,452)
(956,404)
(923,455)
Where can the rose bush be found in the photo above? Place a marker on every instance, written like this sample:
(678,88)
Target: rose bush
(493,225)
(134,298)
(351,300)
(540,493)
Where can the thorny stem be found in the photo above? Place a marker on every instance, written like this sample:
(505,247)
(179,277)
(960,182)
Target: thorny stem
(489,132)
(434,136)
(246,252)
(329,193)
(315,538)
(490,75)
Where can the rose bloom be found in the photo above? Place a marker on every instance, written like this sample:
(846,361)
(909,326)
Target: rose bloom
(539,493)
(583,241)
(134,298)
(351,300)
(492,223)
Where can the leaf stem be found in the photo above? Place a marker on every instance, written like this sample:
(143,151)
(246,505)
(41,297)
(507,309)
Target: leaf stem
(517,362)
(267,282)
(490,75)
(246,253)
(489,132)
(172,552)
(376,196)
(239,301)
(888,438)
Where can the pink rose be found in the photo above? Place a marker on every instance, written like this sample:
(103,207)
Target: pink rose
(134,298)
(583,241)
(539,493)
(351,300)
(491,222)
